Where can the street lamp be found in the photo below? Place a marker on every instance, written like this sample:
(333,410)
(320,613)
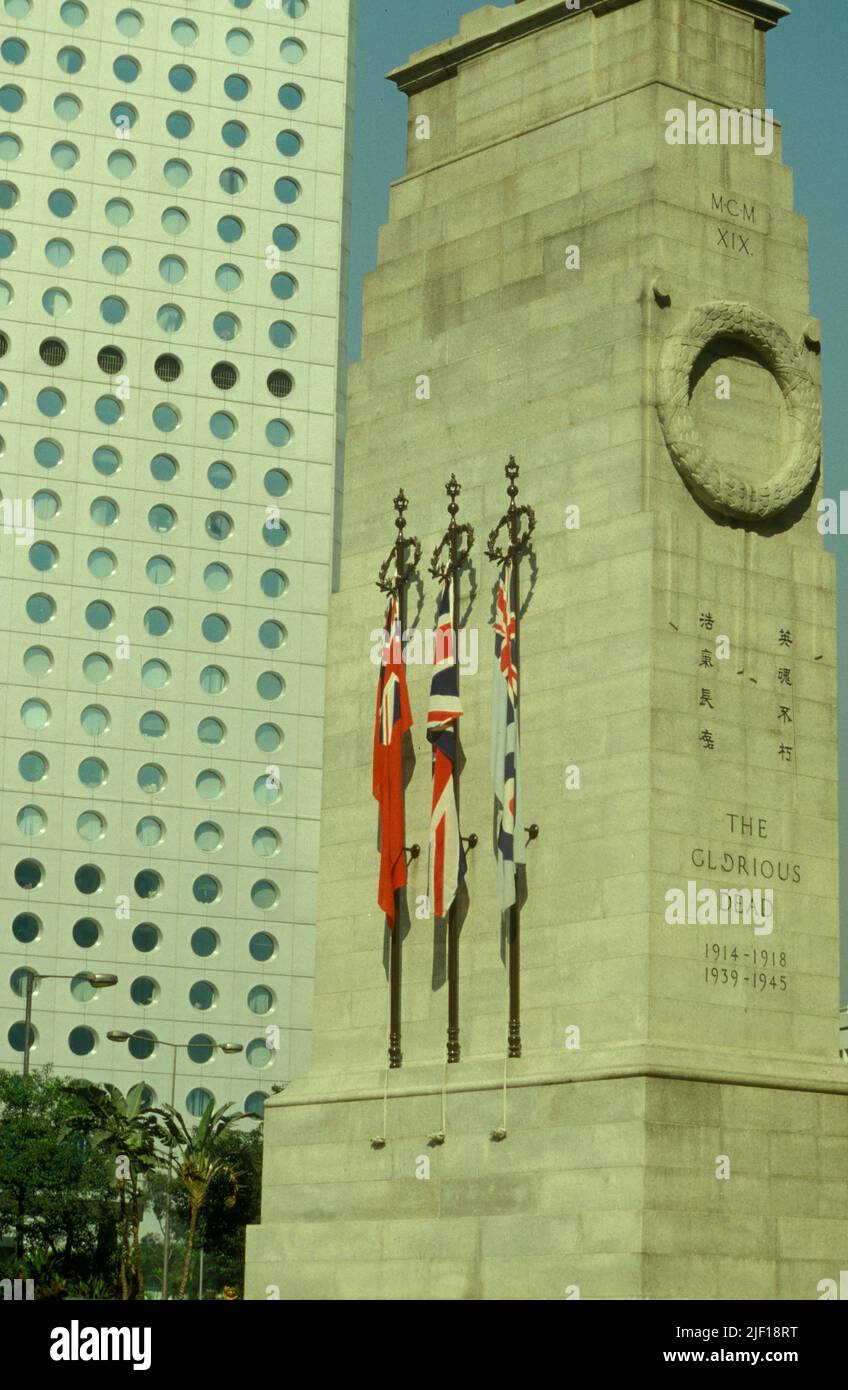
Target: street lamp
(120,1036)
(96,982)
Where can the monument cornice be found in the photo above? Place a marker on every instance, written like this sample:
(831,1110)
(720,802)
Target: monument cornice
(436,64)
(689,1065)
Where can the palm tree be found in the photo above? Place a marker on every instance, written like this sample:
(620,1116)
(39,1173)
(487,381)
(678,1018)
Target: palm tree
(123,1127)
(197,1161)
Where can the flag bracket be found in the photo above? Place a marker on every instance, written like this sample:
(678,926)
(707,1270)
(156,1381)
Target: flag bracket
(413,851)
(532,832)
(470,840)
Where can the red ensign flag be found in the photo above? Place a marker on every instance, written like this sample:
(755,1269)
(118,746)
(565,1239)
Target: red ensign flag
(392,720)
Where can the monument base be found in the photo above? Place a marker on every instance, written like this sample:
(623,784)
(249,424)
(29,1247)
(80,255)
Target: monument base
(637,1180)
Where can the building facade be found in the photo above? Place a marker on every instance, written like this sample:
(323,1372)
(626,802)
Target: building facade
(173,244)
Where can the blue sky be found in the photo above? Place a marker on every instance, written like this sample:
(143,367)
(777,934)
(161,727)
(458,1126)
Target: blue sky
(806,57)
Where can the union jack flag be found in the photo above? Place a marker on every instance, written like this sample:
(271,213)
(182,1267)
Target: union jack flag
(504,754)
(447,857)
(392,719)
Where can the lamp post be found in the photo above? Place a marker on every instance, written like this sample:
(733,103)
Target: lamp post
(96,982)
(118,1035)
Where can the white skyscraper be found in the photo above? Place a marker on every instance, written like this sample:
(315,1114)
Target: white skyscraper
(173,244)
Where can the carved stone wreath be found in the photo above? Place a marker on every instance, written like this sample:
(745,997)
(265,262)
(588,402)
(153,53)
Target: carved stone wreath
(713,483)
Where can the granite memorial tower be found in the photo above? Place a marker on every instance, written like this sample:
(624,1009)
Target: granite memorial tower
(592,263)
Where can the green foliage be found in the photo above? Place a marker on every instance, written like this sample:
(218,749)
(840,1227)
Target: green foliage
(221,1228)
(78,1163)
(198,1160)
(55,1190)
(122,1128)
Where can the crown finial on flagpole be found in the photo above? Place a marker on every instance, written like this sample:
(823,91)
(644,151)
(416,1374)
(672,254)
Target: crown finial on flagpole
(404,556)
(518,539)
(458,539)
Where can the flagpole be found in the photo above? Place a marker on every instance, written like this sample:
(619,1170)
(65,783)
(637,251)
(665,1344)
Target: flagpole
(458,539)
(403,558)
(518,542)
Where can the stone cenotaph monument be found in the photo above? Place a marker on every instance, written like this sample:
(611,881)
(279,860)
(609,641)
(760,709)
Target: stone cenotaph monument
(592,263)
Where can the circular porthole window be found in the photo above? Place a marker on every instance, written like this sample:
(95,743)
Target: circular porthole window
(270,686)
(264,894)
(155,674)
(157,622)
(226,327)
(213,680)
(224,376)
(290,96)
(26,928)
(265,841)
(204,942)
(177,172)
(289,144)
(232,181)
(208,837)
(40,608)
(179,124)
(262,946)
(170,319)
(91,826)
(94,720)
(274,584)
(125,68)
(86,933)
(239,41)
(141,1045)
(184,32)
(292,51)
(106,460)
(146,937)
(120,164)
(181,78)
(88,879)
(220,475)
(280,384)
(35,714)
(201,1049)
(163,468)
(209,784)
(217,577)
(73,14)
(147,883)
(282,334)
(206,889)
(149,831)
(96,667)
(82,1041)
(70,60)
(260,999)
